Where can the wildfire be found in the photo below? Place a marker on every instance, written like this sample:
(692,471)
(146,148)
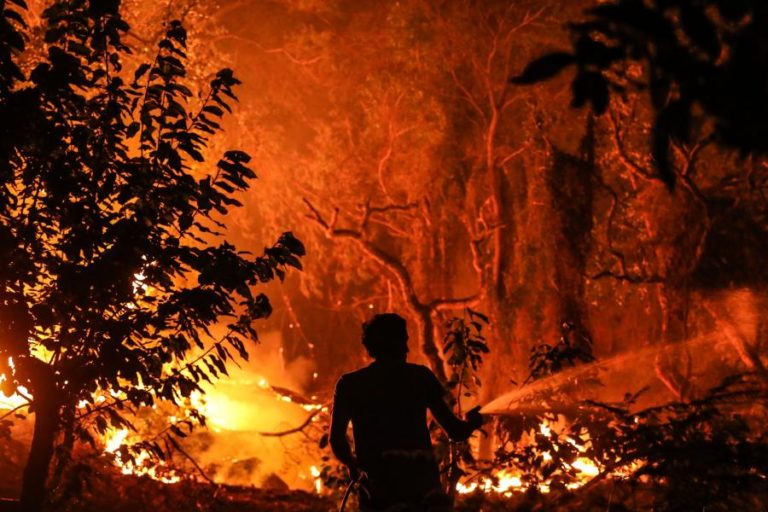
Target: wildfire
(113,440)
(220,412)
(13,401)
(138,466)
(224,413)
(316,476)
(17,399)
(507,481)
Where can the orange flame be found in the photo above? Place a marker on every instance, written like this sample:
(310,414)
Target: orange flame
(16,399)
(506,481)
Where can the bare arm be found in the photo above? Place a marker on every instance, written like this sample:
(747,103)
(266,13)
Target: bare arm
(338,436)
(456,428)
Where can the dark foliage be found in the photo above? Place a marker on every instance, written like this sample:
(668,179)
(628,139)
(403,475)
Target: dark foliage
(114,267)
(704,454)
(708,453)
(464,347)
(573,347)
(704,62)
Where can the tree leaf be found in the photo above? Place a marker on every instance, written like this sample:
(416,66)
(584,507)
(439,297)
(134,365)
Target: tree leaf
(544,68)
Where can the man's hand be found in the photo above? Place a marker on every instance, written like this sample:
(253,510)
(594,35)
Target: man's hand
(354,471)
(474,418)
(358,477)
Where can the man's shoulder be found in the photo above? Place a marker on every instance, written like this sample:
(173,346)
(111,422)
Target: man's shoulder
(427,378)
(354,375)
(419,369)
(369,372)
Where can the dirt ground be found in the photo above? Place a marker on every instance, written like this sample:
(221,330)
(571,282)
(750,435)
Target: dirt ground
(104,489)
(141,494)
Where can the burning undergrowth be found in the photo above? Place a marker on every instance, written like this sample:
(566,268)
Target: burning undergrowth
(239,412)
(570,437)
(242,413)
(704,453)
(558,447)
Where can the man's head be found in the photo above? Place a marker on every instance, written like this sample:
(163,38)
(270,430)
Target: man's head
(386,336)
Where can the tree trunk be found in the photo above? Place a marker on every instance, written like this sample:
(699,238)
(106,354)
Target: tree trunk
(33,490)
(571,179)
(426,329)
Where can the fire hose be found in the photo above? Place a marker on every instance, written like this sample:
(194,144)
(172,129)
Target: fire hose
(355,481)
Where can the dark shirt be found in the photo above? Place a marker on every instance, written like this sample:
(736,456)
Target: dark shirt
(387,403)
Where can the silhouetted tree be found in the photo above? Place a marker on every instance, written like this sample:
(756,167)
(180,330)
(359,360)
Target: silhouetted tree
(703,63)
(114,267)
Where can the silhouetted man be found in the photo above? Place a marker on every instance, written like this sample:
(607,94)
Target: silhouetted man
(387,402)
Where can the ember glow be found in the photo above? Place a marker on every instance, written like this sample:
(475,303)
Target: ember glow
(16,399)
(507,481)
(316,476)
(242,404)
(232,414)
(114,439)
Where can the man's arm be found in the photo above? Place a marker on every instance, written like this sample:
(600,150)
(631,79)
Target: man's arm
(456,428)
(340,418)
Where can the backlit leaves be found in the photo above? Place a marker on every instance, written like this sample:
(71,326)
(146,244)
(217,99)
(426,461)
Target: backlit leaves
(111,221)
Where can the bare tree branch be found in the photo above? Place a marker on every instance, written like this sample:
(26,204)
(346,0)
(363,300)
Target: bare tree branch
(10,412)
(622,152)
(194,463)
(298,429)
(425,312)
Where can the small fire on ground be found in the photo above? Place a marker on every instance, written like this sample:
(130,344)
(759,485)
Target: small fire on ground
(139,466)
(17,399)
(506,481)
(221,413)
